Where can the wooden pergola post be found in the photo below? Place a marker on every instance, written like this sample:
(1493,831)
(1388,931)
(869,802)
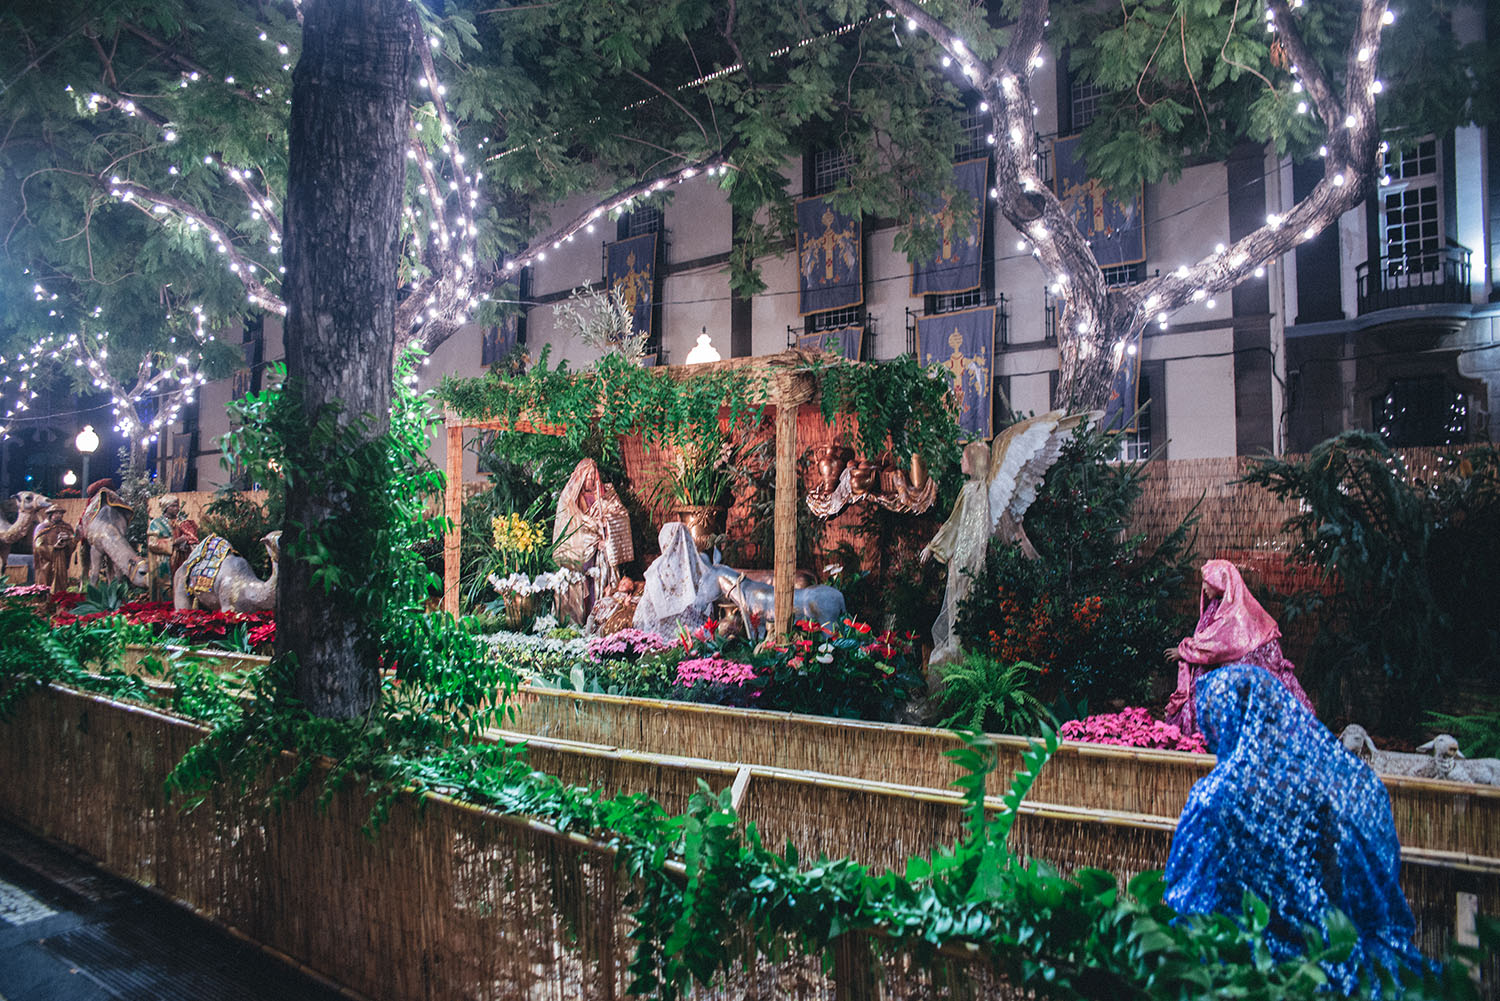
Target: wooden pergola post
(453,509)
(791,390)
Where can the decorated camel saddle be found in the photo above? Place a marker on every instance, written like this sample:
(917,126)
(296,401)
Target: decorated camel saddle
(204,562)
(102,496)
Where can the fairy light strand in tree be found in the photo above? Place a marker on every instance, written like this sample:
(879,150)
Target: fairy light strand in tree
(1097,322)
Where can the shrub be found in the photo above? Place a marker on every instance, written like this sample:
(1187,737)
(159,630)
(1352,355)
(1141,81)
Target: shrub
(845,670)
(1413,617)
(1092,613)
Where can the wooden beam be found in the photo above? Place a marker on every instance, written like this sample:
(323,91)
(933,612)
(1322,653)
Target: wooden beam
(453,510)
(785,519)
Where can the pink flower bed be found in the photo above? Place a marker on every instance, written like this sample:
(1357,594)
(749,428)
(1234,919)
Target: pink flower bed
(1132,727)
(627,644)
(714,670)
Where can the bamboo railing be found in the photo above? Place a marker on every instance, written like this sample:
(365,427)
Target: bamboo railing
(454,901)
(448,901)
(1450,819)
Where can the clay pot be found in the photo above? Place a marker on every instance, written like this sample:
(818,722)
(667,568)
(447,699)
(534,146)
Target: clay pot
(828,465)
(864,477)
(703,522)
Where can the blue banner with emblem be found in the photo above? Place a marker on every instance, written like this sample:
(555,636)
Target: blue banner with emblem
(955,266)
(1114,229)
(962,347)
(631,268)
(1120,410)
(846,343)
(830,265)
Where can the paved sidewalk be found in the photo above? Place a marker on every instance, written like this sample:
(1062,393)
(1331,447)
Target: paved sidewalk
(69,932)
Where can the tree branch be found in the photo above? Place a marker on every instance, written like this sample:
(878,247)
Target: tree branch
(241,266)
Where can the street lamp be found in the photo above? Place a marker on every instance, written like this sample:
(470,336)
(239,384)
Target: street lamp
(87,443)
(69,478)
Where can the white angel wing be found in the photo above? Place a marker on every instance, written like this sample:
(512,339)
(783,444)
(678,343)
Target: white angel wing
(1013,448)
(1034,470)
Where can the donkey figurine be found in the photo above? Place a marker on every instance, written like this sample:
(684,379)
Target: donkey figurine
(756,602)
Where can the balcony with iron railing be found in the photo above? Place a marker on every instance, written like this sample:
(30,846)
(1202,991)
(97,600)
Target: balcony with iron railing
(1428,276)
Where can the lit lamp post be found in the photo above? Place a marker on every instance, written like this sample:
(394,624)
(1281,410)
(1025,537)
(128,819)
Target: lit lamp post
(87,443)
(70,478)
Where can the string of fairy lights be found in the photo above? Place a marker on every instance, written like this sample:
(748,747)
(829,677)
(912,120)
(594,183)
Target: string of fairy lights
(1197,283)
(170,379)
(447,207)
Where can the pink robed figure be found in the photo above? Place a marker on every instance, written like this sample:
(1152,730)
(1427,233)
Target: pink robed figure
(1232,628)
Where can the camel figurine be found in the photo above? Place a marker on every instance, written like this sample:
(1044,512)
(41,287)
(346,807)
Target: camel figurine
(106,553)
(217,578)
(29,509)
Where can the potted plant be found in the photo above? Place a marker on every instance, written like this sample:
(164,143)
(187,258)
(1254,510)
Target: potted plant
(521,564)
(695,491)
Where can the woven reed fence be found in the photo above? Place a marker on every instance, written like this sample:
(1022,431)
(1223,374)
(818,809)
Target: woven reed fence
(877,792)
(454,901)
(1451,819)
(193,503)
(1240,521)
(449,901)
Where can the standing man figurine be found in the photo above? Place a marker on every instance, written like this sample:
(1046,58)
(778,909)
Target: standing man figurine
(160,542)
(52,545)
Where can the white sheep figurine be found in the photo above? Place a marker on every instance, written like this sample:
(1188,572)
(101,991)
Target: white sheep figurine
(1442,759)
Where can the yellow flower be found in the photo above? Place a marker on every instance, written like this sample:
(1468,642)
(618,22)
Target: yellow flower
(514,534)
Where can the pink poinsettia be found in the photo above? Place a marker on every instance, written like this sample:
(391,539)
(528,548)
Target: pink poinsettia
(626,644)
(1133,727)
(713,670)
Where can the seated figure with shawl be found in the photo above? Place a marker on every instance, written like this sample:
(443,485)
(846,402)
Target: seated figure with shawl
(1232,628)
(1288,814)
(591,534)
(669,600)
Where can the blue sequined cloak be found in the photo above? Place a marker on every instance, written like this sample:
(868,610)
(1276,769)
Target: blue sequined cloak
(1291,815)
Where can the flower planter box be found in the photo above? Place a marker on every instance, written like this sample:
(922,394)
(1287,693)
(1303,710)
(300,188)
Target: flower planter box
(1430,815)
(435,894)
(448,901)
(222,662)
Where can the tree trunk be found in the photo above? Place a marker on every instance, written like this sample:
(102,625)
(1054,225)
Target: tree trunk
(344,190)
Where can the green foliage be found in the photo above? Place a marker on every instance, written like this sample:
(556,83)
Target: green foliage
(1094,613)
(597,406)
(1409,614)
(106,596)
(244,523)
(1185,82)
(897,401)
(33,656)
(699,478)
(367,563)
(980,693)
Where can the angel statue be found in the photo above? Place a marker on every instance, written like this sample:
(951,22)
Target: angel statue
(1003,477)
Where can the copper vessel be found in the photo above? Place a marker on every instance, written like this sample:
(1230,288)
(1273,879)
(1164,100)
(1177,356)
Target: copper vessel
(828,465)
(705,523)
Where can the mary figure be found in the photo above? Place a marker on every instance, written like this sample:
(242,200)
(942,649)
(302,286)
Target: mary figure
(1290,815)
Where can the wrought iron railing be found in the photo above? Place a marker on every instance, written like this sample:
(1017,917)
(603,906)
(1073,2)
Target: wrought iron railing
(1439,275)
